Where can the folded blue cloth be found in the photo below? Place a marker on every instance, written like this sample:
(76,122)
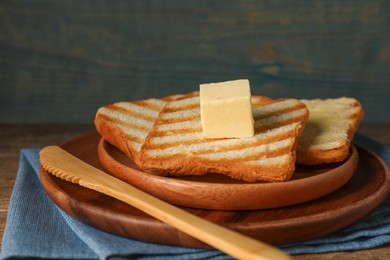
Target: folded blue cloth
(36,227)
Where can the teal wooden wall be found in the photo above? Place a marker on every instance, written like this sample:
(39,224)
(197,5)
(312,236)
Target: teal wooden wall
(61,60)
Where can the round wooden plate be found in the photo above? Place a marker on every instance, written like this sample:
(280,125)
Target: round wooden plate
(219,192)
(367,188)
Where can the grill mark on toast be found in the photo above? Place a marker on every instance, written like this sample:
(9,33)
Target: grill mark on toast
(190,132)
(273,109)
(125,124)
(152,104)
(149,108)
(247,155)
(180,116)
(131,134)
(183,104)
(243,151)
(281,119)
(180,131)
(133,119)
(174,122)
(120,111)
(188,106)
(166,141)
(177,133)
(176,127)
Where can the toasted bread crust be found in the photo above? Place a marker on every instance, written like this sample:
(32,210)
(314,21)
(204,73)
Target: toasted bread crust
(182,165)
(320,156)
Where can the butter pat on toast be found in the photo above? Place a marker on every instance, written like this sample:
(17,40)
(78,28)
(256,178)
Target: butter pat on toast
(226,109)
(329,131)
(176,145)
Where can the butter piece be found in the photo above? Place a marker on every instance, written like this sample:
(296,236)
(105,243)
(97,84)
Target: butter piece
(226,109)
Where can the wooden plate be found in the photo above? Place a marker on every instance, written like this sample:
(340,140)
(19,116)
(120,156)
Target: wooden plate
(367,188)
(219,192)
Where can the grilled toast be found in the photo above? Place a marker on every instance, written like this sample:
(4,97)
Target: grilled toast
(126,124)
(176,145)
(329,131)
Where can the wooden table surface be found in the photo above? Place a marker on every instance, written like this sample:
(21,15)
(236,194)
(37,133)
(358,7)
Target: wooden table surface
(15,137)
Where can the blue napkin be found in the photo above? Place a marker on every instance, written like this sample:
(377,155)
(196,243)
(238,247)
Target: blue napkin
(36,227)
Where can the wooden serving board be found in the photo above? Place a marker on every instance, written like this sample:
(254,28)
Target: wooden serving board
(367,188)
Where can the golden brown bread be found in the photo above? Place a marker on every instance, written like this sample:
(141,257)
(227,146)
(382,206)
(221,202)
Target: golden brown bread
(176,145)
(126,124)
(163,136)
(329,131)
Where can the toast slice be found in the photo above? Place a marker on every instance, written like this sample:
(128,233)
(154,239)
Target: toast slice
(176,145)
(329,131)
(126,124)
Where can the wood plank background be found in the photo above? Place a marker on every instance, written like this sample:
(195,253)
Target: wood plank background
(61,60)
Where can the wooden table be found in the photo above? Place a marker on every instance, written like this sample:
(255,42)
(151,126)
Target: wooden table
(15,137)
